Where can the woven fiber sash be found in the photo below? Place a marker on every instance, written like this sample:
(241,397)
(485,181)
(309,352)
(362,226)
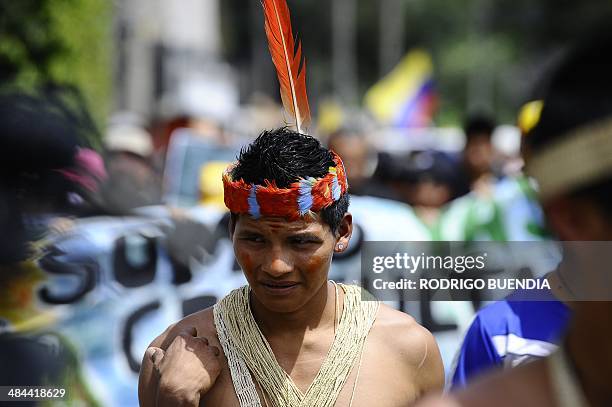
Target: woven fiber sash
(250,357)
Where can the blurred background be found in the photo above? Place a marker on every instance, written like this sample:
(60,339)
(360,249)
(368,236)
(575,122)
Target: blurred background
(118,117)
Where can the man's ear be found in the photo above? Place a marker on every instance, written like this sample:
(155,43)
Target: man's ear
(344,233)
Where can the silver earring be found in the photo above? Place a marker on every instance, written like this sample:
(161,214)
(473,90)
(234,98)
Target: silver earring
(340,246)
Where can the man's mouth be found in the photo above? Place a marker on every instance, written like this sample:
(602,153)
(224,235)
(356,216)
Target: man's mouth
(279,287)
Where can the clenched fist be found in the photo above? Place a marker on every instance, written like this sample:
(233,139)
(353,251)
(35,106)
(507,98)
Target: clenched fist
(187,369)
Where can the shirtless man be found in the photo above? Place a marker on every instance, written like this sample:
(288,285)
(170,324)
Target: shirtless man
(570,155)
(298,311)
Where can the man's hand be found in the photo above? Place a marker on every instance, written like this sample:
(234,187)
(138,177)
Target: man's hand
(187,369)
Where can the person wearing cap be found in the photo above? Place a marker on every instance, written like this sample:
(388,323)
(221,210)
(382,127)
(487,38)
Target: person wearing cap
(132,180)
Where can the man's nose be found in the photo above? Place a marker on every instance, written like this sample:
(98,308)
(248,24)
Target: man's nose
(278,263)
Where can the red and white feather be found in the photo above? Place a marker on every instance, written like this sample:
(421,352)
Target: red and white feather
(290,66)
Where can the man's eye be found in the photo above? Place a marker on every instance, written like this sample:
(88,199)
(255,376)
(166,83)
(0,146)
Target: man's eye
(253,239)
(302,240)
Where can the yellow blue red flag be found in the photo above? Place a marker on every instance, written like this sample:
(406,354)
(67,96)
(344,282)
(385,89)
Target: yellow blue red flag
(406,96)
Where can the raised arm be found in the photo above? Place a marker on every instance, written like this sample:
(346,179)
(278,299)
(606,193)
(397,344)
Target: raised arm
(177,369)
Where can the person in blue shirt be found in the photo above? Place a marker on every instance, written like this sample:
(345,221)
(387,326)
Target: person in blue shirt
(510,332)
(569,153)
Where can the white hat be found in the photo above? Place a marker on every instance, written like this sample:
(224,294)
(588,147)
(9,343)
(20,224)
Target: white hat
(128,138)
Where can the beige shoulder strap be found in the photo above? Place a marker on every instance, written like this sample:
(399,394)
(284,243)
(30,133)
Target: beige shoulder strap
(241,377)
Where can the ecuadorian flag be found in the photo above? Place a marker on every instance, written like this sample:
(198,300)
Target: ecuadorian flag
(406,96)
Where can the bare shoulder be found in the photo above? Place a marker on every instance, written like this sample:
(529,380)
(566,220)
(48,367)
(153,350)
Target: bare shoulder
(203,321)
(437,401)
(413,345)
(401,332)
(526,385)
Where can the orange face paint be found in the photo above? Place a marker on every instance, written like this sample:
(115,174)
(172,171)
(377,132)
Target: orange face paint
(316,263)
(246,261)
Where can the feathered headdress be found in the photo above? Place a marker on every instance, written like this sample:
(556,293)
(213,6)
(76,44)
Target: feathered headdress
(288,60)
(306,195)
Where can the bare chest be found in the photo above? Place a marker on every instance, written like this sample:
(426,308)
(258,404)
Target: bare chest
(376,378)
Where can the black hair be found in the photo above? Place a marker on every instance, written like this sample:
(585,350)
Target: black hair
(284,156)
(578,94)
(477,125)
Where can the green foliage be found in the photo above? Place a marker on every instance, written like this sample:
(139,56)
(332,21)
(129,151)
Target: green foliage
(58,41)
(28,44)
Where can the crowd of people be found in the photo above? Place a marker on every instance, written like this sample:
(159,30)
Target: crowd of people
(292,337)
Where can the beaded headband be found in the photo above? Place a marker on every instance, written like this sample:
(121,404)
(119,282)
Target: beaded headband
(305,196)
